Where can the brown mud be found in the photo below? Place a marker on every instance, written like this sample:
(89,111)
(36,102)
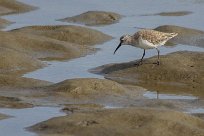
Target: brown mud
(94,18)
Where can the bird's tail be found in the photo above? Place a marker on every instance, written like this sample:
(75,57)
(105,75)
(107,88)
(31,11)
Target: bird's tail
(171,35)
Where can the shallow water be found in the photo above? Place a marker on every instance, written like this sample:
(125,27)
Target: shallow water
(155,95)
(22,118)
(112,107)
(51,10)
(78,68)
(195,111)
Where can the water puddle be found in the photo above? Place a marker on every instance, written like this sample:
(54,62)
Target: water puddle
(195,111)
(112,107)
(22,118)
(155,95)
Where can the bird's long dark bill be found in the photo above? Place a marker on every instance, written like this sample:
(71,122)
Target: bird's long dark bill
(118,47)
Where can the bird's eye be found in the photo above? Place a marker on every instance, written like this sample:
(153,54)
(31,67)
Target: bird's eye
(121,38)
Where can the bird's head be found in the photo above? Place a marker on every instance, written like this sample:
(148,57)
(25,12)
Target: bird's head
(125,39)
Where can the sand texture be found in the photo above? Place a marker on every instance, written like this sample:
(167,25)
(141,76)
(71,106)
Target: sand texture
(94,18)
(183,75)
(127,121)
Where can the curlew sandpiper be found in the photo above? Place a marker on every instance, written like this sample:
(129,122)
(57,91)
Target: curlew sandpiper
(146,39)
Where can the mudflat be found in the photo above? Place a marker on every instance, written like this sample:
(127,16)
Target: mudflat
(22,50)
(179,72)
(86,100)
(174,13)
(13,6)
(124,121)
(2,116)
(4,23)
(94,18)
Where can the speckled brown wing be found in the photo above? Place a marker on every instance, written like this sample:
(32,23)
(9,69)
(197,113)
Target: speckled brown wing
(153,36)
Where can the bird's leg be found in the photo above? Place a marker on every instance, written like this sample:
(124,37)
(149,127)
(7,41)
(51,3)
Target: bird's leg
(157,94)
(140,62)
(158,62)
(142,56)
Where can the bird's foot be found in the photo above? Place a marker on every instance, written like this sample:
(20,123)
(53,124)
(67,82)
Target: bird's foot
(158,62)
(138,63)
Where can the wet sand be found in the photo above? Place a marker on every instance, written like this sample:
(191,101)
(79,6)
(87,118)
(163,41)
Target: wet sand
(175,13)
(94,18)
(127,121)
(179,72)
(12,7)
(55,42)
(96,91)
(2,116)
(24,49)
(13,102)
(4,23)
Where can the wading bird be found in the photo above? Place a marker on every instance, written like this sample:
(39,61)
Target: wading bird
(146,39)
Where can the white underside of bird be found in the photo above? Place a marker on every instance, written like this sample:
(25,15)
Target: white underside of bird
(144,44)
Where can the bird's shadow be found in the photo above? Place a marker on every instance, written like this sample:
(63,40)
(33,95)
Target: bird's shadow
(106,69)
